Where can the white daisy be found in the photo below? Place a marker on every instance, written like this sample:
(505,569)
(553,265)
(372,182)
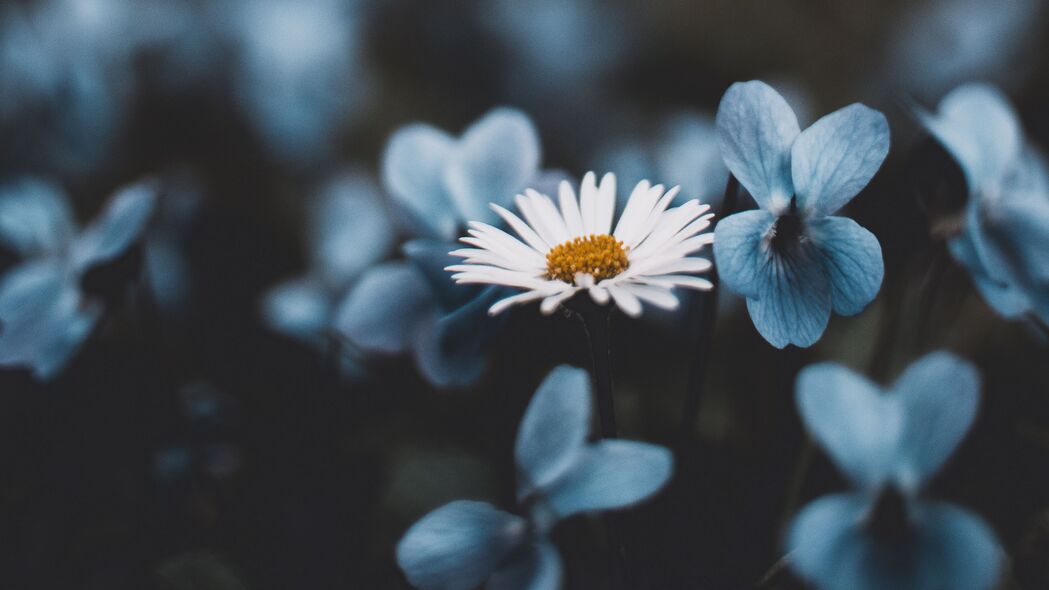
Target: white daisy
(574,249)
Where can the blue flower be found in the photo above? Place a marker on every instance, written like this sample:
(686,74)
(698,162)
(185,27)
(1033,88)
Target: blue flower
(44,315)
(889,444)
(299,73)
(462,544)
(440,182)
(1006,222)
(349,231)
(793,259)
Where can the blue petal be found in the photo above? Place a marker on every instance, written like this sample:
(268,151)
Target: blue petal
(300,308)
(691,157)
(1006,299)
(610,474)
(553,429)
(1016,238)
(794,296)
(351,229)
(756,128)
(537,568)
(413,173)
(384,310)
(458,546)
(939,395)
(452,350)
(431,258)
(957,550)
(851,419)
(978,126)
(836,157)
(495,159)
(121,223)
(35,218)
(945,548)
(42,319)
(852,259)
(740,250)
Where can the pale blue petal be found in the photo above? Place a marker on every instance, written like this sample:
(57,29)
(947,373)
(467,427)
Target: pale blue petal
(431,258)
(756,128)
(794,296)
(938,396)
(496,158)
(553,429)
(299,308)
(458,546)
(827,547)
(958,550)
(852,258)
(537,568)
(351,229)
(35,218)
(946,548)
(740,249)
(451,350)
(413,173)
(851,419)
(610,474)
(121,223)
(167,272)
(42,319)
(978,126)
(384,310)
(836,157)
(1009,301)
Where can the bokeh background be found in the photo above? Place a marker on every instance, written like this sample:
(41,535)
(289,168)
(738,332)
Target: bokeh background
(190,444)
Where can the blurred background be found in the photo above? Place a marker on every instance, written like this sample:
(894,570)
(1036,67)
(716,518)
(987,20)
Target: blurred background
(213,433)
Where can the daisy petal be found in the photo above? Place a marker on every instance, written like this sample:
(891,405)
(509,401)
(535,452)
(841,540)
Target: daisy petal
(658,296)
(606,204)
(588,202)
(570,210)
(636,211)
(538,245)
(625,300)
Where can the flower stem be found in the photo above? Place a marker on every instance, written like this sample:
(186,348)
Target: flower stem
(596,322)
(705,314)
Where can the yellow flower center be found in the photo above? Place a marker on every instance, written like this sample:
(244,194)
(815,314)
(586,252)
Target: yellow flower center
(601,256)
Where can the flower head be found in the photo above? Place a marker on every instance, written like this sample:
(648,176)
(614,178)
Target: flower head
(792,259)
(1006,223)
(889,444)
(464,543)
(44,312)
(576,249)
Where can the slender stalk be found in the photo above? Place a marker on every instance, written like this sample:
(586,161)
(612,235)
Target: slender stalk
(706,313)
(596,322)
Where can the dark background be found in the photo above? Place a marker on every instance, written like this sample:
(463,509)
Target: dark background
(202,450)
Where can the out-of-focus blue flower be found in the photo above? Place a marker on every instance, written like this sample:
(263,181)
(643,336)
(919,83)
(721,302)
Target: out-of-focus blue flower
(558,43)
(1006,229)
(793,259)
(685,153)
(441,182)
(65,81)
(889,444)
(44,315)
(940,44)
(209,415)
(299,74)
(465,543)
(349,230)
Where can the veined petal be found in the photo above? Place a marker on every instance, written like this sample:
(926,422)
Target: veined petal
(740,250)
(554,428)
(794,296)
(938,396)
(852,420)
(458,546)
(836,157)
(756,128)
(852,258)
(413,165)
(611,474)
(495,158)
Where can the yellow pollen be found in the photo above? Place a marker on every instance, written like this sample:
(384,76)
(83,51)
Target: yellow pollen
(601,256)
